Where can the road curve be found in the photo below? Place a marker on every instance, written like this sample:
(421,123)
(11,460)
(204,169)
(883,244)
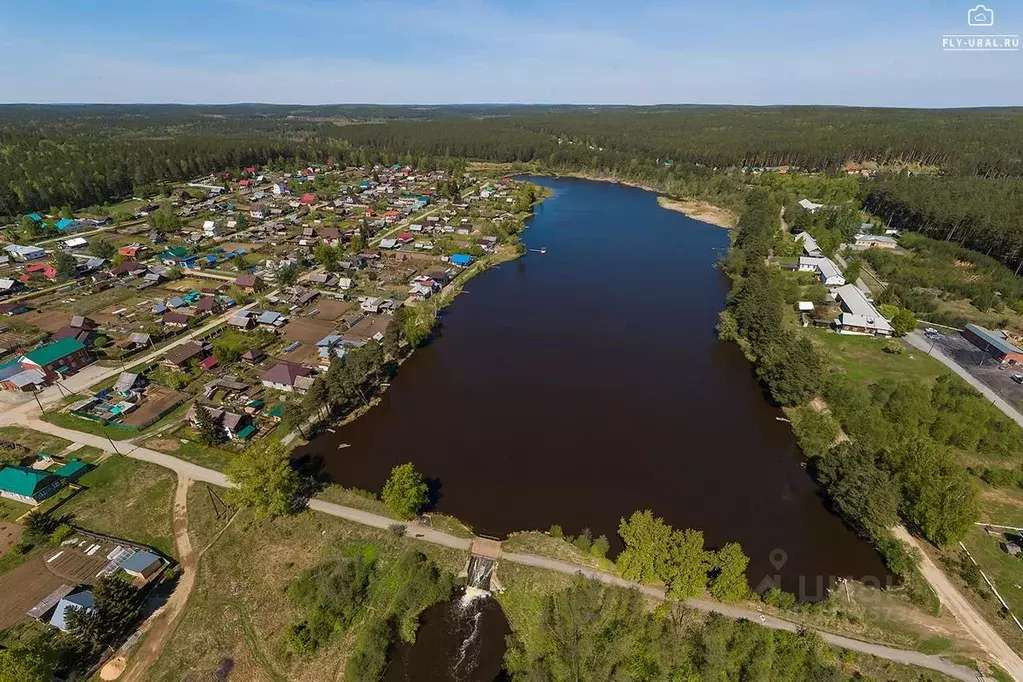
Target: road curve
(437,537)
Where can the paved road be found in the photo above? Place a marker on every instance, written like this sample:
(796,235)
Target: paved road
(187,470)
(919,341)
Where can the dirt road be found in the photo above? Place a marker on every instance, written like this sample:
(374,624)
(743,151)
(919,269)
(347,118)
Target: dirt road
(964,612)
(164,622)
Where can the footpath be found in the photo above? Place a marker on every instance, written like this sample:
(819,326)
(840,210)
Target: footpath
(189,471)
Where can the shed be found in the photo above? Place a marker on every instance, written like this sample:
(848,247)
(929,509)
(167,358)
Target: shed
(73,469)
(78,600)
(142,564)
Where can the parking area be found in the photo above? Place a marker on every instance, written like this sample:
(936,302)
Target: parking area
(982,366)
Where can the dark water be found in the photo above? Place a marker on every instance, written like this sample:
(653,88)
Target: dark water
(456,642)
(577,386)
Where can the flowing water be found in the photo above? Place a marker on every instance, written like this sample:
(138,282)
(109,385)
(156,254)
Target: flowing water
(576,386)
(461,640)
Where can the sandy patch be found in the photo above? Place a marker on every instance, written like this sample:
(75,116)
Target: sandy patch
(700,210)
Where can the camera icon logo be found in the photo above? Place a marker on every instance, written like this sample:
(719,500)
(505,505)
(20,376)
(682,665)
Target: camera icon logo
(980,16)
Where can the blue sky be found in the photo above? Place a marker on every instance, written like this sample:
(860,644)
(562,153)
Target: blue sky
(854,52)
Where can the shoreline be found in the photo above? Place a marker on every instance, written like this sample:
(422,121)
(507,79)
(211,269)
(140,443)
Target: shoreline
(691,207)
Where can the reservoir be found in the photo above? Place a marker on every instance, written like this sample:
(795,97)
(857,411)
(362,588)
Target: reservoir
(576,386)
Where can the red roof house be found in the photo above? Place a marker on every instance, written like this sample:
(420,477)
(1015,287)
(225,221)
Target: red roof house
(244,183)
(406,237)
(307,199)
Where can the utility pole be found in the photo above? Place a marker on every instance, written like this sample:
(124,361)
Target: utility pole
(113,446)
(35,394)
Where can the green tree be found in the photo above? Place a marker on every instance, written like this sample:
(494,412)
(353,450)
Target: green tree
(729,582)
(792,369)
(405,492)
(903,322)
(588,632)
(66,265)
(101,248)
(939,497)
(685,572)
(860,490)
(287,275)
(210,428)
(262,478)
(25,665)
(326,255)
(646,547)
(116,609)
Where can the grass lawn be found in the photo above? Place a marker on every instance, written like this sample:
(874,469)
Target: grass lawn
(128,499)
(33,440)
(1002,506)
(70,421)
(1005,571)
(359,499)
(191,451)
(11,510)
(535,542)
(240,607)
(864,358)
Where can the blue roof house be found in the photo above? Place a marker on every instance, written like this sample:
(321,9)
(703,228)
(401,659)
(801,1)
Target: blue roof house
(79,600)
(35,217)
(461,259)
(65,224)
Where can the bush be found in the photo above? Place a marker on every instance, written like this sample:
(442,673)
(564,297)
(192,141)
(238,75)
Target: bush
(62,533)
(555,531)
(893,348)
(779,599)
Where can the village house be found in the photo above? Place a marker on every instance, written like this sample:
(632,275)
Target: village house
(875,241)
(826,271)
(810,247)
(24,253)
(79,329)
(181,355)
(249,283)
(44,365)
(809,206)
(859,315)
(30,486)
(289,377)
(236,426)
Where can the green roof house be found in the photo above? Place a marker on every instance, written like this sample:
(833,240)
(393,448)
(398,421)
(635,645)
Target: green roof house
(28,485)
(60,356)
(73,469)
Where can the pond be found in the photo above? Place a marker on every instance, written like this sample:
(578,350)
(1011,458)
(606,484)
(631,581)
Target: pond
(578,385)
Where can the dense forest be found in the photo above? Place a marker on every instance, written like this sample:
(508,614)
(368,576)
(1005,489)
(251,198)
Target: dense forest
(80,155)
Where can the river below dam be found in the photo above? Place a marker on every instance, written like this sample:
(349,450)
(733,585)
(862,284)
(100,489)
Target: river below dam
(576,386)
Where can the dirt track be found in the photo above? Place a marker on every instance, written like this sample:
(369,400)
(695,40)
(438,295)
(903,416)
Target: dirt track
(964,612)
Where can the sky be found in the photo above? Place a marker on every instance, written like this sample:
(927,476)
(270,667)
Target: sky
(844,52)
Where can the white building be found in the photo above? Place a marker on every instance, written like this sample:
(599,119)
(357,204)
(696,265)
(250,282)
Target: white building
(810,247)
(826,271)
(809,206)
(859,315)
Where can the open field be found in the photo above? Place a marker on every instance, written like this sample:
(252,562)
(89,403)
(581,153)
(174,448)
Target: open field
(307,330)
(10,533)
(128,499)
(22,587)
(159,399)
(33,441)
(331,310)
(241,609)
(864,358)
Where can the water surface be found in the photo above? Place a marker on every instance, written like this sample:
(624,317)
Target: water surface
(579,385)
